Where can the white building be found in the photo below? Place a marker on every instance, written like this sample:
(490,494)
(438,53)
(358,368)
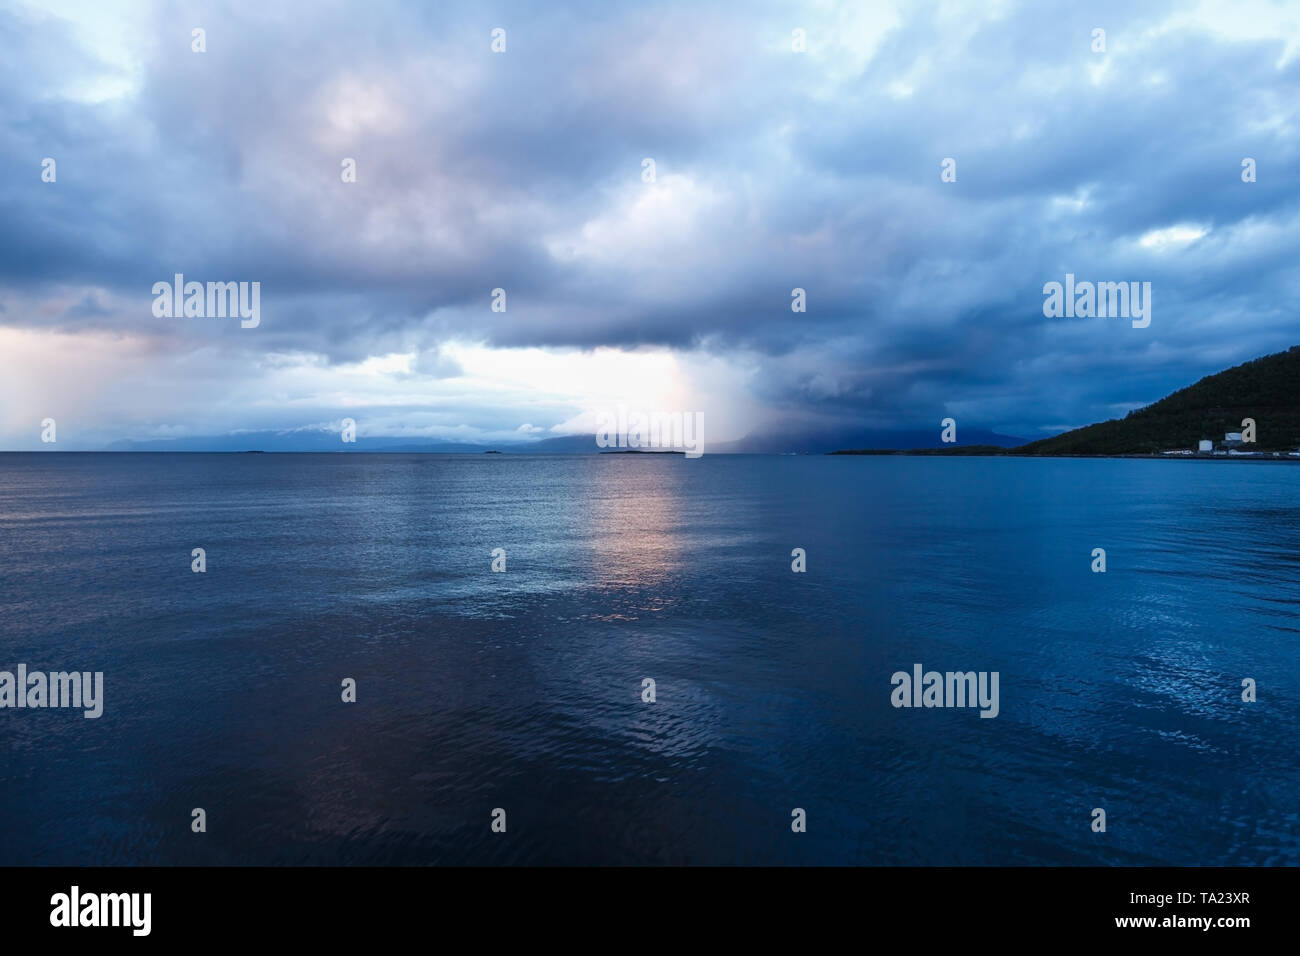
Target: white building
(1232,437)
(1205,445)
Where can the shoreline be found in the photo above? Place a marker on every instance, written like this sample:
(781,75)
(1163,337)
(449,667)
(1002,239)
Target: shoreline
(932,453)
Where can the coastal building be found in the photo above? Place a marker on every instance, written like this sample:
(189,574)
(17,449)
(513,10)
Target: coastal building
(1205,447)
(1232,439)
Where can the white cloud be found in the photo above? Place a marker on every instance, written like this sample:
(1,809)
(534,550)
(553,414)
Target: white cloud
(1172,236)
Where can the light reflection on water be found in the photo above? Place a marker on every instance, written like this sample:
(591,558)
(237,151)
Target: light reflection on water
(522,690)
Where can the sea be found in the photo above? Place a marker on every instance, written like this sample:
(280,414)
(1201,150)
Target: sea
(503,716)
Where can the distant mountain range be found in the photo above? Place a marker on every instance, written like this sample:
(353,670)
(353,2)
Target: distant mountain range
(822,442)
(297,440)
(804,443)
(1266,389)
(302,440)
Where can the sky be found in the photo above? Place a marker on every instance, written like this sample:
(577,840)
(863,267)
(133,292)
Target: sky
(775,168)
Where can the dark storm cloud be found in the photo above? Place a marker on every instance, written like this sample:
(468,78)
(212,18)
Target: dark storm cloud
(776,170)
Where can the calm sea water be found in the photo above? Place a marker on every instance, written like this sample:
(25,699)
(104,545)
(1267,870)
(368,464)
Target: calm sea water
(522,690)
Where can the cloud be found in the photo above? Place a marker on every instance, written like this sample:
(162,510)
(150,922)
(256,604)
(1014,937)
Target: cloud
(523,171)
